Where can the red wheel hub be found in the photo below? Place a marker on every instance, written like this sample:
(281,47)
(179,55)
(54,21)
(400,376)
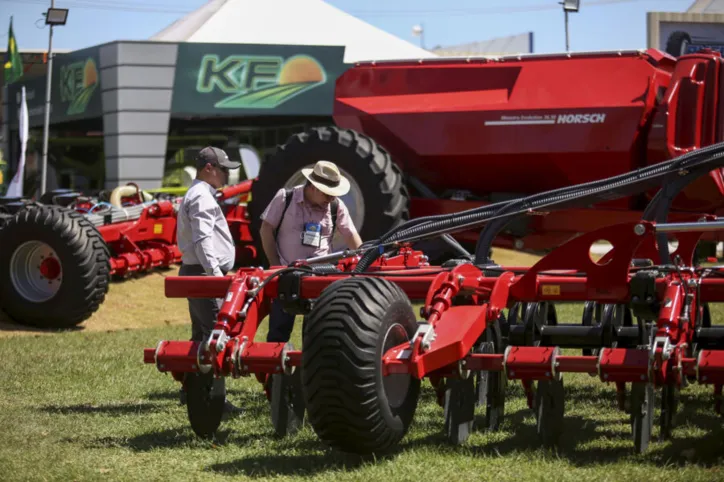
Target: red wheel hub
(50,268)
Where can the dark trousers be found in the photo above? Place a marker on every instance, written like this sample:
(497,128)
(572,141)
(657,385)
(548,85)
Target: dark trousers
(203,311)
(281,324)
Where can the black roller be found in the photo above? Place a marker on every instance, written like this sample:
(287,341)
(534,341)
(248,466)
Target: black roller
(709,338)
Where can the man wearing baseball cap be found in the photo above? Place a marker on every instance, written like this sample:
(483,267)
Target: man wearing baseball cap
(204,239)
(300,223)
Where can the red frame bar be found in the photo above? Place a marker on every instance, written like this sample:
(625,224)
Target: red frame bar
(456,328)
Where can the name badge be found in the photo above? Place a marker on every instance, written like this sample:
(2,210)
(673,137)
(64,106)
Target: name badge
(312,235)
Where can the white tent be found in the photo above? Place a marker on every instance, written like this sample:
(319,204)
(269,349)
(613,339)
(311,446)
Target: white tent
(289,22)
(707,6)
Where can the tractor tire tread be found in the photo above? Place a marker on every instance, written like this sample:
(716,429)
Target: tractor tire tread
(339,372)
(90,258)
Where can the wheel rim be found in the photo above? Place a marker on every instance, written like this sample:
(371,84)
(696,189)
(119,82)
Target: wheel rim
(397,385)
(35,271)
(684,47)
(353,199)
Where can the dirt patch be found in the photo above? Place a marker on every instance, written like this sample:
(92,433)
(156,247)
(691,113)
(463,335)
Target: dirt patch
(508,257)
(141,303)
(130,304)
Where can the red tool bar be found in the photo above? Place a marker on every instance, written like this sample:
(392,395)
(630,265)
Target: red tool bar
(710,367)
(175,356)
(564,364)
(624,365)
(576,364)
(196,286)
(712,290)
(484,362)
(414,286)
(263,358)
(149,355)
(294,358)
(531,362)
(549,288)
(493,362)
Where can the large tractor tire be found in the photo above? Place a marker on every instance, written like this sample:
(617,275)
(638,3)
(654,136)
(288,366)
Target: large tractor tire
(378,199)
(351,406)
(678,44)
(54,267)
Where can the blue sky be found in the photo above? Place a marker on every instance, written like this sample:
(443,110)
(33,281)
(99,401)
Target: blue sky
(600,24)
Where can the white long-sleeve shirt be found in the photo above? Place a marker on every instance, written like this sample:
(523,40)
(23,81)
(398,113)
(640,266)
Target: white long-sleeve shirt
(203,234)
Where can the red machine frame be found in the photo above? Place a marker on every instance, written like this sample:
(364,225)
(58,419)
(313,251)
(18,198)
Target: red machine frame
(671,343)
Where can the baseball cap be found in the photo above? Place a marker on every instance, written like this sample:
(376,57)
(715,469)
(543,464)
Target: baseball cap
(214,155)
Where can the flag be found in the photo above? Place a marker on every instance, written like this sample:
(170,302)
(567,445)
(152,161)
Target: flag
(15,189)
(13,62)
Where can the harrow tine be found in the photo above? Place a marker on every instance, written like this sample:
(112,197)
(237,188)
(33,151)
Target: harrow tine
(490,386)
(621,395)
(287,403)
(459,409)
(205,400)
(549,411)
(529,390)
(669,405)
(642,414)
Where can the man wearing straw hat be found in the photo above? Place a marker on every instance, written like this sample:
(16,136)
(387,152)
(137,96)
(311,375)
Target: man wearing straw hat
(300,223)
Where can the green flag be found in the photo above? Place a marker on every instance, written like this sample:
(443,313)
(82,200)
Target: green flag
(13,62)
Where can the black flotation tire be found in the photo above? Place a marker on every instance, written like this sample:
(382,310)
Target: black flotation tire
(343,342)
(675,45)
(84,260)
(385,196)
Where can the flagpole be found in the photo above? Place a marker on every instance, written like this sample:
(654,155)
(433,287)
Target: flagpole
(48,84)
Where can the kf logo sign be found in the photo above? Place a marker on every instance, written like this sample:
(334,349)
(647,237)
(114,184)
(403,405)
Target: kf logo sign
(71,81)
(237,73)
(78,81)
(259,82)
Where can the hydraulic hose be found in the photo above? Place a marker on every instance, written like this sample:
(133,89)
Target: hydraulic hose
(605,189)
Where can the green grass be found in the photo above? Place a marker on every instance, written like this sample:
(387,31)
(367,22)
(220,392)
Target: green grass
(81,405)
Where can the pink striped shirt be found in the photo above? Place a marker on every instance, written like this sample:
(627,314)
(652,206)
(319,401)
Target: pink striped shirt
(289,239)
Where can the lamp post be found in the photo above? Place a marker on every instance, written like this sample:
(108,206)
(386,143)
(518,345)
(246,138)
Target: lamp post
(419,31)
(54,16)
(569,6)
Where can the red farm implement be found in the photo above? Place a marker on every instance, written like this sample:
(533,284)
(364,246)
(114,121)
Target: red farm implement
(417,139)
(58,258)
(646,323)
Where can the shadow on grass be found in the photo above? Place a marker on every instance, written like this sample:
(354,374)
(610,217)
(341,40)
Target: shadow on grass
(170,395)
(166,439)
(580,434)
(108,409)
(10,325)
(290,465)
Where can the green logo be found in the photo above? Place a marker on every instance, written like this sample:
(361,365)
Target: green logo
(78,81)
(258,82)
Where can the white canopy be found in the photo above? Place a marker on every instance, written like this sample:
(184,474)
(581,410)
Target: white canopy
(707,6)
(289,22)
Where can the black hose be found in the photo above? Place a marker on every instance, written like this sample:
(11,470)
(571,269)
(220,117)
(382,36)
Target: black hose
(604,189)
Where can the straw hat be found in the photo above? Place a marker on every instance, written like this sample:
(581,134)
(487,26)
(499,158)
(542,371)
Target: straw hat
(326,177)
